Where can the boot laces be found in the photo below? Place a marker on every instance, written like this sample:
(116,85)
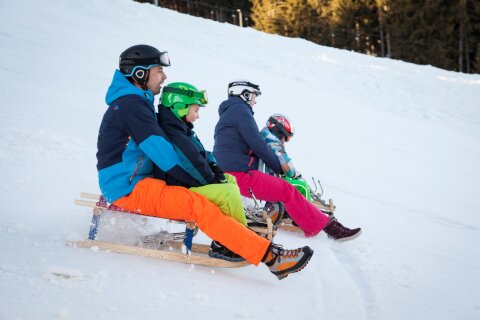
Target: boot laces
(279,251)
(290,253)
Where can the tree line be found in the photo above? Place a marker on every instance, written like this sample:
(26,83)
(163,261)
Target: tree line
(235,11)
(442,33)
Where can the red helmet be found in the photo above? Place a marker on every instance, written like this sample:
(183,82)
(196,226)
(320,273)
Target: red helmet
(281,126)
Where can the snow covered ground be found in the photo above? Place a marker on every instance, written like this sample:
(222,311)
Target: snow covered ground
(396,145)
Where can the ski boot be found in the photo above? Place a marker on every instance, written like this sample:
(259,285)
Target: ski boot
(282,262)
(219,251)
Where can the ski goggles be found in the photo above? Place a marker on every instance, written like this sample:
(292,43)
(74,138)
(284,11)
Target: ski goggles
(201,96)
(161,59)
(164,59)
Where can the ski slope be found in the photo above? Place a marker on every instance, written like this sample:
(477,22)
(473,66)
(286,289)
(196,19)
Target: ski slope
(396,145)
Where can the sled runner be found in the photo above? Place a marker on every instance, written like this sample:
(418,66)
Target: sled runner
(200,258)
(160,245)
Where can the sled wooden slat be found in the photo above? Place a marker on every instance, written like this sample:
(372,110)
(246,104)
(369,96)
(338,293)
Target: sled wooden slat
(329,208)
(86,203)
(92,196)
(196,247)
(287,225)
(158,254)
(268,232)
(330,205)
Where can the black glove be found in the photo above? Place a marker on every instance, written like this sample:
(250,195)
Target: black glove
(218,172)
(297,175)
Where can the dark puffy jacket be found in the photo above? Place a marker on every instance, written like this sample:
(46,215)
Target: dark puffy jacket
(194,158)
(238,143)
(130,141)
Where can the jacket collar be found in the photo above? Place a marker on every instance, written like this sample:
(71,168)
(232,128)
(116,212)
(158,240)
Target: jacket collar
(231,101)
(120,87)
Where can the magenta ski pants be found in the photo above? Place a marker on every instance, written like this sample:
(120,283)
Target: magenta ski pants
(269,188)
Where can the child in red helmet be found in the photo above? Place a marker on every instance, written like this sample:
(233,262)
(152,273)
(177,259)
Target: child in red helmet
(278,130)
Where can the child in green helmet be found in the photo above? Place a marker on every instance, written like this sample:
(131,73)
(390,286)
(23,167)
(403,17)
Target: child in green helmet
(179,108)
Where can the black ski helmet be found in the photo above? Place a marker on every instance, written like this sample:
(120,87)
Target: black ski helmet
(137,60)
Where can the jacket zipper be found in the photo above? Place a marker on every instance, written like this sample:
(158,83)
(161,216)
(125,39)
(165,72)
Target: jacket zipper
(137,168)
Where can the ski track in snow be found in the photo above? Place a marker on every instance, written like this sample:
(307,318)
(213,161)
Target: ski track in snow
(353,268)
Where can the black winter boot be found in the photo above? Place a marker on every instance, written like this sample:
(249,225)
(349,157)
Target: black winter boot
(338,232)
(218,251)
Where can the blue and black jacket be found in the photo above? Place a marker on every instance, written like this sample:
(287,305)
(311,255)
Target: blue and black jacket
(238,143)
(130,141)
(195,159)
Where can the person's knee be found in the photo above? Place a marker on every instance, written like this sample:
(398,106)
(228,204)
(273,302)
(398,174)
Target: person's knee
(230,179)
(228,190)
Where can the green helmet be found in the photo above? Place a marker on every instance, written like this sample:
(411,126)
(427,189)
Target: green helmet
(178,96)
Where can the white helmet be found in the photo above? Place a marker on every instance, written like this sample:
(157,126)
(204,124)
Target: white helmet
(243,89)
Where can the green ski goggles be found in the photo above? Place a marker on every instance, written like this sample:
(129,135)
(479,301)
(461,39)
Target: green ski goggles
(201,96)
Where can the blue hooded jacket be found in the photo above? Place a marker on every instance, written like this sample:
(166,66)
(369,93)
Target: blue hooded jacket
(130,141)
(238,143)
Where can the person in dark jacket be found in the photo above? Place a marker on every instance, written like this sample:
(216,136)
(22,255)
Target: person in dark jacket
(179,108)
(130,141)
(176,114)
(238,148)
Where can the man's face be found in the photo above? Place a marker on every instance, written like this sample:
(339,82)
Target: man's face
(155,79)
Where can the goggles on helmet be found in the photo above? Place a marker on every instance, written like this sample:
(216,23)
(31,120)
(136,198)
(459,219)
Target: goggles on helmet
(161,59)
(201,96)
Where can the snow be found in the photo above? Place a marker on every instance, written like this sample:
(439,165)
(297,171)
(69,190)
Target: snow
(396,145)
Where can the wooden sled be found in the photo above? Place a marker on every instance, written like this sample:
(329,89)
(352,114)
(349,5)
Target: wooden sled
(199,253)
(171,252)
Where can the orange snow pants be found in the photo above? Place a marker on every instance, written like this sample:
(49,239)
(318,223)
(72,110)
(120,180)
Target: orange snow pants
(154,198)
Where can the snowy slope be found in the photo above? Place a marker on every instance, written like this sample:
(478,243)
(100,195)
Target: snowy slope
(396,145)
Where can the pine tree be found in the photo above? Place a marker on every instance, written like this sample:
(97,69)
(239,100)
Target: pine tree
(292,18)
(442,33)
(356,25)
(437,32)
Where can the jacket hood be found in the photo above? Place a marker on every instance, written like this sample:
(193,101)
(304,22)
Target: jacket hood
(233,101)
(120,87)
